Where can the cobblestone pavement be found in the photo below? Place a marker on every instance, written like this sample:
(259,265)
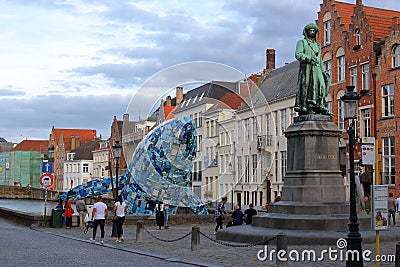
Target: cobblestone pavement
(212,252)
(21,246)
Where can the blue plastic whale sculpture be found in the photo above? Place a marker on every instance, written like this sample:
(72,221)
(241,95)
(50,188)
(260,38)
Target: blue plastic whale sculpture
(160,169)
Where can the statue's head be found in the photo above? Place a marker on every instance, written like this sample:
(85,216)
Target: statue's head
(310,30)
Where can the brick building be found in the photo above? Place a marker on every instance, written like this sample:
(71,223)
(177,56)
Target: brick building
(360,46)
(65,140)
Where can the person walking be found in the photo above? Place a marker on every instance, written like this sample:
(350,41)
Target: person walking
(219,213)
(99,215)
(120,208)
(160,215)
(392,208)
(81,208)
(68,213)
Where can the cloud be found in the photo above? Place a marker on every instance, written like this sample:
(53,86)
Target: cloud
(11,91)
(42,112)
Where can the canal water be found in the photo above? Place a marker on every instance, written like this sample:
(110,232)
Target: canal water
(34,207)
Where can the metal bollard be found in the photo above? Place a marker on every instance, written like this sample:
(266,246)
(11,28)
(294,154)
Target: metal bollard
(139,231)
(397,264)
(281,244)
(195,238)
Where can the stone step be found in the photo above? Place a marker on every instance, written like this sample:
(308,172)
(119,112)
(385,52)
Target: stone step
(309,208)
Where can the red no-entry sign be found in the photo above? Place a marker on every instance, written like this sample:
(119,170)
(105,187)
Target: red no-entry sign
(46,180)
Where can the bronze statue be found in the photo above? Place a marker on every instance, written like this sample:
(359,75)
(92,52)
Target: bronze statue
(313,81)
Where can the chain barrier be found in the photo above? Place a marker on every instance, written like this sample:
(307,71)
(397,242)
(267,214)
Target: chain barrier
(264,242)
(166,240)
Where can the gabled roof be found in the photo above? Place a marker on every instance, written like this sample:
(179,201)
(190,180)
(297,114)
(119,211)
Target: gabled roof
(32,145)
(281,82)
(379,19)
(84,136)
(86,151)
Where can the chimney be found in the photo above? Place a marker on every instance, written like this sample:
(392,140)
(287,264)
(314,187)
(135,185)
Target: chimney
(179,95)
(270,59)
(77,141)
(168,101)
(126,117)
(358,2)
(73,143)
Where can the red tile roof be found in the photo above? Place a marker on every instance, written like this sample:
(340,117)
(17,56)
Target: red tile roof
(379,19)
(32,145)
(84,136)
(345,13)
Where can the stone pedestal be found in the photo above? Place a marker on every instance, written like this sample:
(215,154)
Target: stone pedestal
(313,194)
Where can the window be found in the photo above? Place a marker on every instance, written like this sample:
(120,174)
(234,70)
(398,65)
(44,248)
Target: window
(199,144)
(85,168)
(388,161)
(353,78)
(327,32)
(341,68)
(246,169)
(365,77)
(358,37)
(365,122)
(276,123)
(388,100)
(195,119)
(340,115)
(247,128)
(396,56)
(239,132)
(268,130)
(222,167)
(283,120)
(254,168)
(201,119)
(240,168)
(227,162)
(207,129)
(255,129)
(211,128)
(328,67)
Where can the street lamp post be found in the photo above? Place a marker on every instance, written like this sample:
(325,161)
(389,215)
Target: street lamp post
(350,103)
(117,154)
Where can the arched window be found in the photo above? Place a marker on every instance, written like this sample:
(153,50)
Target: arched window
(341,64)
(340,110)
(328,63)
(396,56)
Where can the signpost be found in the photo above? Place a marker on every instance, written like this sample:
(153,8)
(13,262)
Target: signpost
(46,180)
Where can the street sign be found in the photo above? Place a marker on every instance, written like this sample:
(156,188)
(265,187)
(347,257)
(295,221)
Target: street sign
(46,180)
(47,167)
(368,154)
(380,207)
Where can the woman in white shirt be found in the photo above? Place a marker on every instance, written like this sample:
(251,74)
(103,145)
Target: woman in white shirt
(120,208)
(99,215)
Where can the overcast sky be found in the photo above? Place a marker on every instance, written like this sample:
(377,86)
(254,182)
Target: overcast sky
(76,64)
